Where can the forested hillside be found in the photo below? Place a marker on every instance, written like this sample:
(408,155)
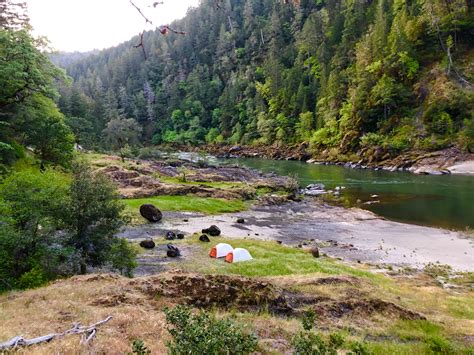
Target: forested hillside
(29,116)
(344,75)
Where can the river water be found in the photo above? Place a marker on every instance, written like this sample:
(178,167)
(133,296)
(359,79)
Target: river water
(443,201)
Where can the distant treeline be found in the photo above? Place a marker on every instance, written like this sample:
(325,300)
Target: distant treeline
(344,75)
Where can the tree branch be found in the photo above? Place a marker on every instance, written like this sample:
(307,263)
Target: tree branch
(163,29)
(88,331)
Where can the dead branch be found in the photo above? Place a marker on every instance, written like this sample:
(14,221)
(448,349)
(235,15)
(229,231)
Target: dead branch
(141,45)
(89,333)
(141,13)
(163,29)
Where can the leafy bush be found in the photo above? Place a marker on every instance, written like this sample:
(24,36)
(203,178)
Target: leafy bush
(32,279)
(466,137)
(371,139)
(203,333)
(139,348)
(308,342)
(123,257)
(441,124)
(358,348)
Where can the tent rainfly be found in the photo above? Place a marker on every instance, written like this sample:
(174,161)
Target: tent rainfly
(239,254)
(221,250)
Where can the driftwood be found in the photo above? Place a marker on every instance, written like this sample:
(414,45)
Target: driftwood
(88,333)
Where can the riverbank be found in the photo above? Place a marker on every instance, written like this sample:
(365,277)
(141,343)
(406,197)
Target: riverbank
(201,194)
(353,235)
(447,161)
(363,285)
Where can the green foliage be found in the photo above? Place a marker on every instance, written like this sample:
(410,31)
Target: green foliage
(32,279)
(28,114)
(139,348)
(308,342)
(308,320)
(123,257)
(51,226)
(121,132)
(371,139)
(359,348)
(92,216)
(203,333)
(466,138)
(30,248)
(328,72)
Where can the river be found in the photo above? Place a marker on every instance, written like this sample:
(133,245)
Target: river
(445,201)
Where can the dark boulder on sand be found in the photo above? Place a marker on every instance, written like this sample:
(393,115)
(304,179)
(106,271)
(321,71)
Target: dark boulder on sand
(147,244)
(170,236)
(204,238)
(151,213)
(172,252)
(213,231)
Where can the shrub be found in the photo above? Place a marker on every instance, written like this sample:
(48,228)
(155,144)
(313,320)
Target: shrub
(32,279)
(308,342)
(123,257)
(203,333)
(441,124)
(358,348)
(466,137)
(371,139)
(139,348)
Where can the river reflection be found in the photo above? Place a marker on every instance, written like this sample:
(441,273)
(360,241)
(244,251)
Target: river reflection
(444,201)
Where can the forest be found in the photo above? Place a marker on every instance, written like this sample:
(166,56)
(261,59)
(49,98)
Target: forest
(343,75)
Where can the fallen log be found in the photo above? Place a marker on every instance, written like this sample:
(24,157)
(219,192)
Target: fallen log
(88,332)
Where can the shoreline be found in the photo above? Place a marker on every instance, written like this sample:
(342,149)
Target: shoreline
(447,161)
(351,234)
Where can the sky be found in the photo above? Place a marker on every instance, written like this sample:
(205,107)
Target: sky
(83,25)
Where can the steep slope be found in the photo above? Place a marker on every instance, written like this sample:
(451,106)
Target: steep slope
(374,77)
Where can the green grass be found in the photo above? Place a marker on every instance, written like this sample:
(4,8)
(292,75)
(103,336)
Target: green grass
(270,259)
(187,203)
(215,184)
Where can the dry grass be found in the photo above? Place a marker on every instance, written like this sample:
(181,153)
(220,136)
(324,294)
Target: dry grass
(138,313)
(54,308)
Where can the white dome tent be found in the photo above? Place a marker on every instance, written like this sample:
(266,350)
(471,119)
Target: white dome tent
(239,254)
(221,250)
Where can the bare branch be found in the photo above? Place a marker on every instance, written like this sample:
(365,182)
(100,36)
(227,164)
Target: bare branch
(89,332)
(141,45)
(163,29)
(141,13)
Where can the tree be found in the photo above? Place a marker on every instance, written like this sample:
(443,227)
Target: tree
(44,129)
(31,249)
(122,131)
(13,14)
(92,216)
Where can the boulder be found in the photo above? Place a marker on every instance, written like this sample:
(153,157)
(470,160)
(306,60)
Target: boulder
(315,252)
(213,231)
(172,251)
(235,148)
(147,244)
(170,235)
(240,220)
(151,213)
(204,238)
(180,236)
(314,190)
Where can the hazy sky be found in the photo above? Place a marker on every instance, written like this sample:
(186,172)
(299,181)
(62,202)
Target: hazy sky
(82,25)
